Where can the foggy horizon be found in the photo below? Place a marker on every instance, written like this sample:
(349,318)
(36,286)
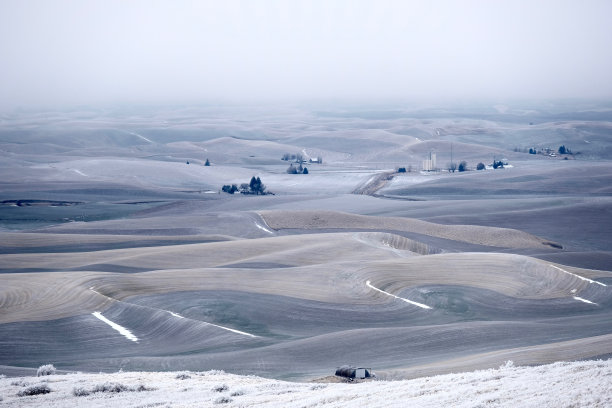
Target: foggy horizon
(107,52)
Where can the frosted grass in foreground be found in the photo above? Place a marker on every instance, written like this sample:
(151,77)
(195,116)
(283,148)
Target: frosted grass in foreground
(579,384)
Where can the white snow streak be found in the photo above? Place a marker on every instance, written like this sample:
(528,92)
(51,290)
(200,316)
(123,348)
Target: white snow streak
(140,136)
(263,228)
(125,332)
(216,325)
(232,330)
(99,316)
(578,276)
(397,297)
(95,291)
(584,300)
(79,172)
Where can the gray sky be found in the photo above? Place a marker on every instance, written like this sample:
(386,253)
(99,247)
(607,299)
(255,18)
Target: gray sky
(73,52)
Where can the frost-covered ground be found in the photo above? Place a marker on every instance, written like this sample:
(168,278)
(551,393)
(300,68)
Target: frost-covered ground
(563,384)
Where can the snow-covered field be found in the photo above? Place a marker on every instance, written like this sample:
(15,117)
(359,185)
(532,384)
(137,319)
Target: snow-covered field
(112,256)
(563,384)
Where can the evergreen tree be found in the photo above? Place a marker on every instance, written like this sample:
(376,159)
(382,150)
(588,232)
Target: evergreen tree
(257,186)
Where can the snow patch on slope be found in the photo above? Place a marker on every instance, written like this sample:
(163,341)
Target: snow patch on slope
(122,330)
(215,325)
(578,276)
(584,300)
(263,228)
(421,305)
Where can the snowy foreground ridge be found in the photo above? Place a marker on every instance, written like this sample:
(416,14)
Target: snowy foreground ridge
(576,384)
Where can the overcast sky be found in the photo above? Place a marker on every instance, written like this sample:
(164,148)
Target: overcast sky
(75,52)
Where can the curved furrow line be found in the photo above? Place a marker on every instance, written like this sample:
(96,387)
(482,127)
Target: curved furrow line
(176,315)
(512,275)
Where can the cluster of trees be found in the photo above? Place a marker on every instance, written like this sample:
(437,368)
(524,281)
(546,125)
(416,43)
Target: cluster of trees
(525,150)
(463,166)
(230,189)
(255,186)
(452,166)
(532,150)
(299,158)
(297,170)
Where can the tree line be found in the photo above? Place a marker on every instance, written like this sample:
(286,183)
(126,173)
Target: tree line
(255,187)
(299,158)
